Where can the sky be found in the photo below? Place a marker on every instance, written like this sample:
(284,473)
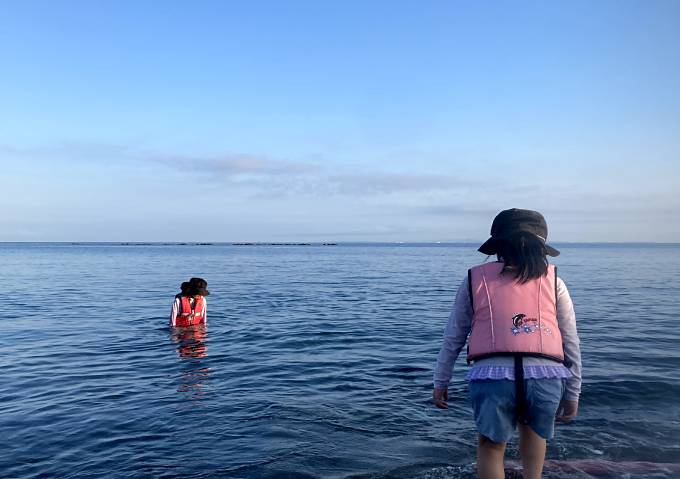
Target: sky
(339,120)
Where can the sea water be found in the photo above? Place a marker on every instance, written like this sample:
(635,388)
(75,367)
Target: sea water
(316,362)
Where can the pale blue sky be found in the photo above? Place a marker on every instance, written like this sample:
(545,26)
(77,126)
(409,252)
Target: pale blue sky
(338,121)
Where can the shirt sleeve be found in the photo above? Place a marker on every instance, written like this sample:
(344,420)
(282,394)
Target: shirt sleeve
(566,320)
(455,336)
(205,311)
(173,312)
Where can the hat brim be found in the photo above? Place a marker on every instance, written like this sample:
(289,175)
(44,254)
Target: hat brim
(490,247)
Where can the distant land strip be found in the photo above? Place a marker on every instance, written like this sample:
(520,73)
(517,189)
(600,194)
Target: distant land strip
(134,243)
(284,244)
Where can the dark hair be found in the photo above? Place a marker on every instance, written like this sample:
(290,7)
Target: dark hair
(185,288)
(524,255)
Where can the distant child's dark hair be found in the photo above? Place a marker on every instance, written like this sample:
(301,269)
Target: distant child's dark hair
(524,255)
(185,289)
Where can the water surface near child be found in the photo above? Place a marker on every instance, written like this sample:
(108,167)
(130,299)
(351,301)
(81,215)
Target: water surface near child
(317,362)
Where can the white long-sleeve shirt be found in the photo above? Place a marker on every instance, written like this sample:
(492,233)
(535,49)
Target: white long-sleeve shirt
(176,307)
(458,329)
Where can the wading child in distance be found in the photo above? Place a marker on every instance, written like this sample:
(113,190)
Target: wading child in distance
(522,342)
(190,307)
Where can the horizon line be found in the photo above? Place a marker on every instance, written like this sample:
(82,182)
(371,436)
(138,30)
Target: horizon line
(318,243)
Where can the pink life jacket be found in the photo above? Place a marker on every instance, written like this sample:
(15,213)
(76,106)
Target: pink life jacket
(188,316)
(512,318)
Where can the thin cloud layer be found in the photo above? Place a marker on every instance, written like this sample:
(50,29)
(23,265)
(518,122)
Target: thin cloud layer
(362,201)
(377,183)
(236,164)
(227,164)
(262,176)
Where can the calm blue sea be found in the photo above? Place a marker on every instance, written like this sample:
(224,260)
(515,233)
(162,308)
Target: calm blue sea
(317,362)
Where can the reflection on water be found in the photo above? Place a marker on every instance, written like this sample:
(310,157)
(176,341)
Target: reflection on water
(190,341)
(191,347)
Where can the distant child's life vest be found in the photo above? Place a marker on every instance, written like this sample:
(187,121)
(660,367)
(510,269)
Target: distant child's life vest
(188,315)
(511,318)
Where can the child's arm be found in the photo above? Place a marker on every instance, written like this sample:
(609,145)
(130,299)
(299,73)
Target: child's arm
(205,311)
(566,320)
(173,313)
(455,335)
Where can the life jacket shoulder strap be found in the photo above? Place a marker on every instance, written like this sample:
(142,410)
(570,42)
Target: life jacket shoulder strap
(472,304)
(555,269)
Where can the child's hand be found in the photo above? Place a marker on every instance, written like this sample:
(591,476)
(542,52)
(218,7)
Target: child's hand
(440,397)
(566,411)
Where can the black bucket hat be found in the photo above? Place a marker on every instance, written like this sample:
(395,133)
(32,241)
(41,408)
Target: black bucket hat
(198,286)
(507,223)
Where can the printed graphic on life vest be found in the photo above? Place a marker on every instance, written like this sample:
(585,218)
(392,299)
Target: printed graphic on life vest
(522,323)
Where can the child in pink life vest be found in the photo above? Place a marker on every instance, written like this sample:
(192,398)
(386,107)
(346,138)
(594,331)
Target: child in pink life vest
(190,307)
(518,320)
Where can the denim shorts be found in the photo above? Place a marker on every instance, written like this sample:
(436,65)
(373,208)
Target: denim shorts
(493,403)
